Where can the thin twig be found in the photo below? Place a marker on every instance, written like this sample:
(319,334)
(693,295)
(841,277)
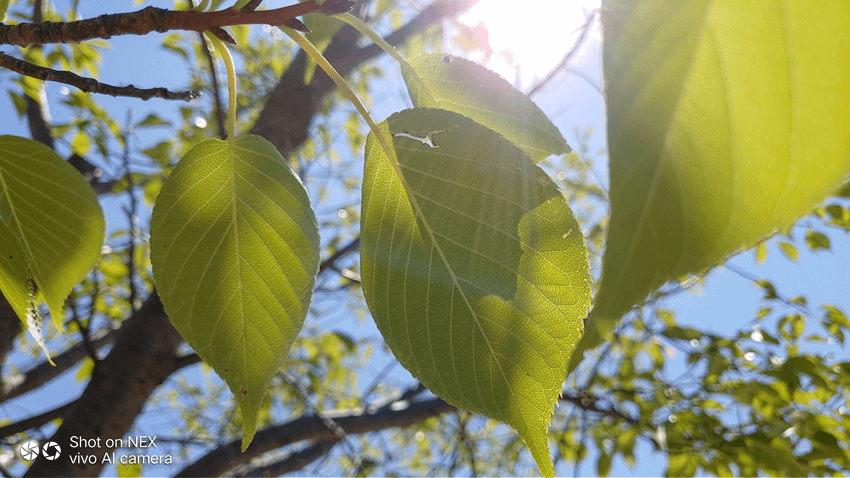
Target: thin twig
(585,28)
(90,85)
(589,404)
(350,247)
(329,422)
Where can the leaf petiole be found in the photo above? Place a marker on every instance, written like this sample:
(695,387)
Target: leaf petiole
(222,50)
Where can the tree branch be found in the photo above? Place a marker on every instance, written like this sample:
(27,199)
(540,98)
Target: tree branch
(142,358)
(350,247)
(89,85)
(291,105)
(44,372)
(399,413)
(36,421)
(293,462)
(589,404)
(41,419)
(152,19)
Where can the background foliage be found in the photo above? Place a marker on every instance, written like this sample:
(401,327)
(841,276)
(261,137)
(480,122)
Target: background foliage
(770,398)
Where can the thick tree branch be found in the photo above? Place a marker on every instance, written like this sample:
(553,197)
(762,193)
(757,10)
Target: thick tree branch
(44,372)
(399,413)
(35,421)
(153,19)
(142,358)
(43,418)
(293,462)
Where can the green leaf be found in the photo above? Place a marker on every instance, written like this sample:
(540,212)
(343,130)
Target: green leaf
(152,120)
(125,470)
(761,252)
(681,464)
(4,5)
(603,464)
(789,250)
(816,240)
(240,4)
(14,273)
(459,85)
(53,213)
(322,30)
(20,104)
(474,268)
(726,122)
(234,248)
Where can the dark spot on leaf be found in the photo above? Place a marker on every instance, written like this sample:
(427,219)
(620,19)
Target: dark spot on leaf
(447,59)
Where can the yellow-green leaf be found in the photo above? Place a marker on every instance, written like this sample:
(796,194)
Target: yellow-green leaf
(473,267)
(234,248)
(727,121)
(459,85)
(55,216)
(14,272)
(322,30)
(125,470)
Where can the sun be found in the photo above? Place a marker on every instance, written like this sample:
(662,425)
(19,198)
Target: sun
(533,34)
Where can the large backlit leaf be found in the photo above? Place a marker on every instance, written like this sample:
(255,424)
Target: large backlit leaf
(17,287)
(464,87)
(234,248)
(53,213)
(473,267)
(726,121)
(14,272)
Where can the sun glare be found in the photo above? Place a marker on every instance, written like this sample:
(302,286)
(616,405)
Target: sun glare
(534,34)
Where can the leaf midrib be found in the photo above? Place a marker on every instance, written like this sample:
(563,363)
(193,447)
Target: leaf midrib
(435,246)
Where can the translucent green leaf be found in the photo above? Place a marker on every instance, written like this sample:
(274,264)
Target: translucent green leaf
(240,4)
(4,5)
(816,240)
(234,248)
(322,30)
(126,470)
(473,267)
(20,104)
(14,273)
(726,121)
(761,252)
(789,250)
(16,285)
(81,143)
(464,87)
(54,214)
(152,120)
(603,464)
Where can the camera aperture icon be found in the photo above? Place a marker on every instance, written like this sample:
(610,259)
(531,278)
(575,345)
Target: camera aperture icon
(29,450)
(51,450)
